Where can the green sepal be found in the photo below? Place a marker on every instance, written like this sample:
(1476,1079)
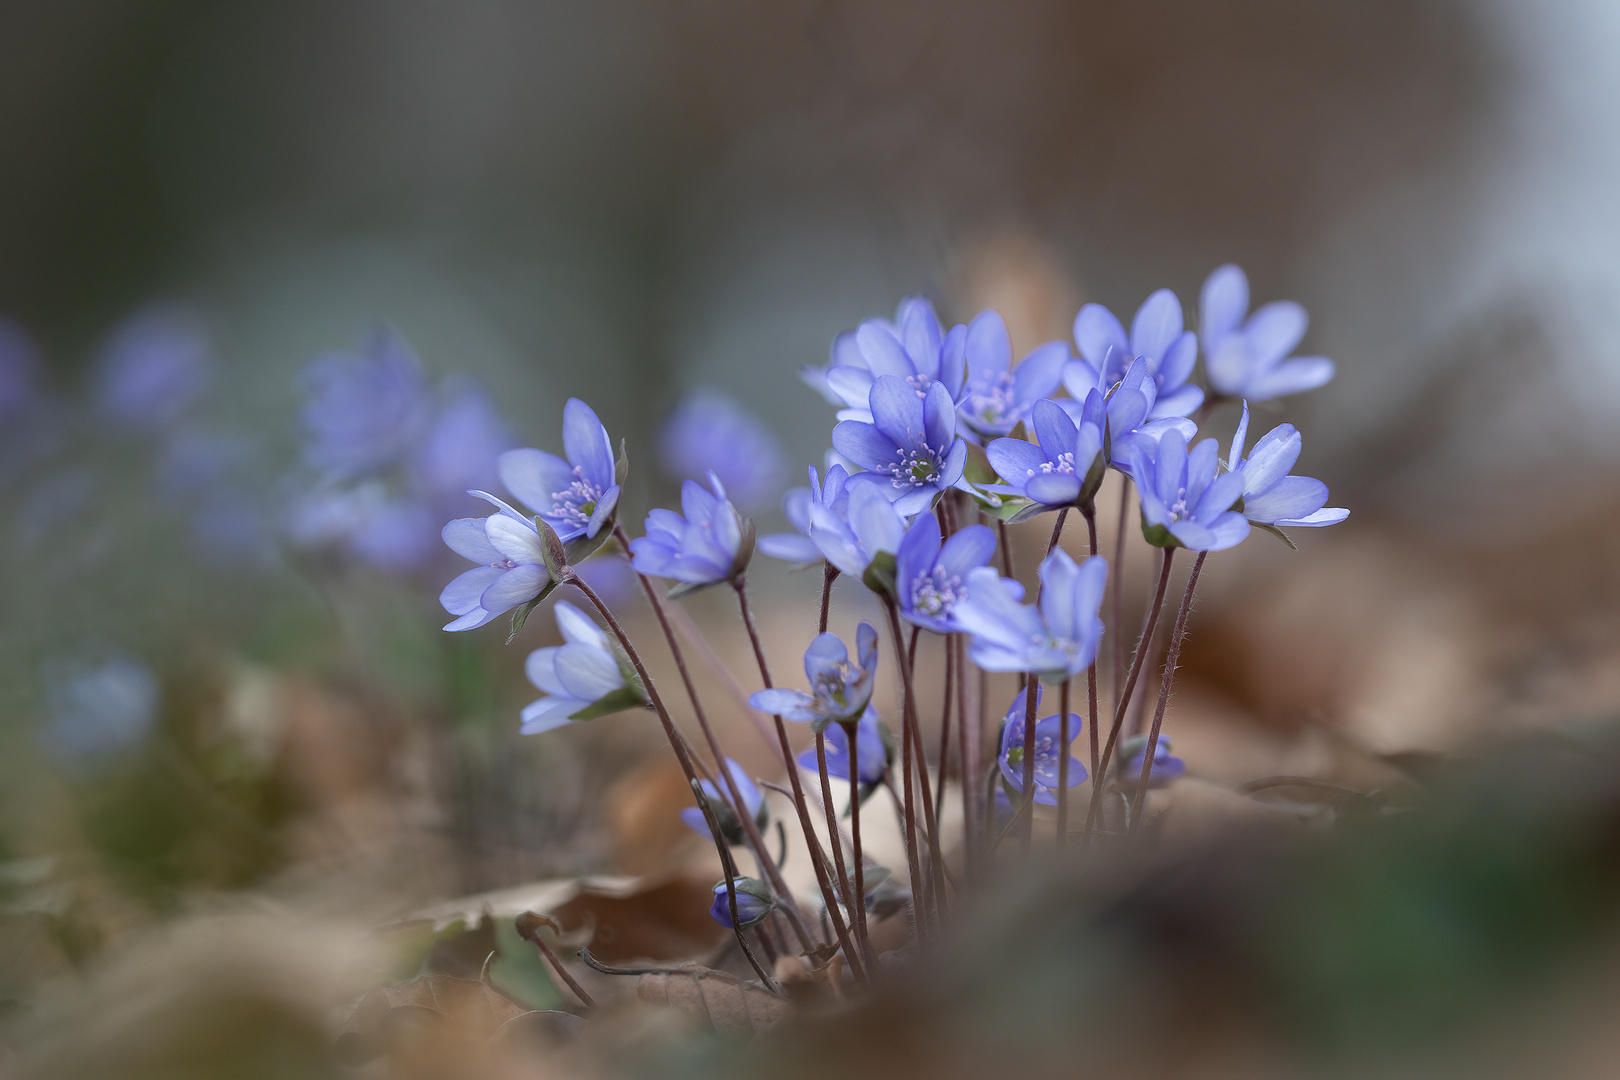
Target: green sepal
(1021,511)
(1274,531)
(520,614)
(626,697)
(880,574)
(745,548)
(977,468)
(552,551)
(685,588)
(1159,536)
(581,548)
(621,467)
(1094,479)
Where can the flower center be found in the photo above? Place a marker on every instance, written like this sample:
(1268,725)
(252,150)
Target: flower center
(1178,509)
(991,400)
(919,383)
(1063,464)
(915,468)
(577,502)
(936,593)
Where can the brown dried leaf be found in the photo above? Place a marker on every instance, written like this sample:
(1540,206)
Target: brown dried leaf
(725,1003)
(440,1010)
(664,922)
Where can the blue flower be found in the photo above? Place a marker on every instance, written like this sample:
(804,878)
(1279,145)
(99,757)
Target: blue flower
(912,348)
(461,447)
(910,448)
(1064,466)
(711,544)
(839,690)
(1121,402)
(931,578)
(853,525)
(153,367)
(999,395)
(1186,501)
(1249,358)
(754,902)
(1056,639)
(795,547)
(1048,749)
(582,679)
(709,432)
(366,410)
(513,567)
(1270,496)
(1156,336)
(575,497)
(1165,766)
(730,827)
(874,752)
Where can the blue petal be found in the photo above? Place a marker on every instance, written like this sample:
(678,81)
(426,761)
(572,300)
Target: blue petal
(1157,324)
(970,547)
(1053,489)
(1290,498)
(918,550)
(1274,329)
(1096,330)
(789,547)
(1177,362)
(1178,402)
(1293,377)
(1053,429)
(1271,459)
(518,542)
(920,333)
(547,714)
(541,668)
(824,657)
(1229,530)
(1219,496)
(1330,516)
(467,538)
(1223,303)
(1230,366)
(586,443)
(1039,374)
(955,463)
(794,705)
(853,385)
(462,595)
(882,351)
(897,411)
(471,621)
(1239,439)
(576,626)
(514,587)
(864,444)
(875,523)
(603,511)
(534,475)
(1014,460)
(989,349)
(939,418)
(588,672)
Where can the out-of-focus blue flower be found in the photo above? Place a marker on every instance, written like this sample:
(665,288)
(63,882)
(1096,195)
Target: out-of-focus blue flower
(194,461)
(910,448)
(710,544)
(1272,497)
(390,531)
(999,395)
(1049,750)
(229,530)
(367,410)
(19,366)
(1249,358)
(1186,501)
(912,348)
(754,902)
(1056,639)
(1064,466)
(1156,336)
(931,577)
(97,708)
(153,367)
(462,445)
(852,525)
(1122,404)
(575,497)
(710,433)
(513,569)
(720,803)
(839,689)
(869,745)
(1165,766)
(582,679)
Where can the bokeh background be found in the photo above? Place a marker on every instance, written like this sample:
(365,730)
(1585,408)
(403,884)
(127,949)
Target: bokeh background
(215,684)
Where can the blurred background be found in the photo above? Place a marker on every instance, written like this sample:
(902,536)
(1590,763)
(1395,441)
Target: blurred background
(221,669)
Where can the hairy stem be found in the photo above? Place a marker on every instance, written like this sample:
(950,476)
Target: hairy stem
(1057,531)
(909,822)
(1063,768)
(1116,600)
(936,862)
(1176,637)
(1091,672)
(858,912)
(1032,686)
(1125,697)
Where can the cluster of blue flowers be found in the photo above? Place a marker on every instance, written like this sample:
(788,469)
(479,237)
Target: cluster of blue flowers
(941,443)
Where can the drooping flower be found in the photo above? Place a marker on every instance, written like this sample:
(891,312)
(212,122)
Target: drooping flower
(153,367)
(1049,750)
(1166,767)
(1057,638)
(710,544)
(709,432)
(720,803)
(1121,402)
(582,678)
(931,577)
(367,410)
(910,448)
(754,902)
(912,348)
(1186,501)
(1156,336)
(1063,467)
(839,689)
(1249,358)
(512,569)
(856,529)
(999,395)
(1271,497)
(870,748)
(575,497)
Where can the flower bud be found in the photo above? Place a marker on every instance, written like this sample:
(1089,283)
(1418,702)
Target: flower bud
(754,902)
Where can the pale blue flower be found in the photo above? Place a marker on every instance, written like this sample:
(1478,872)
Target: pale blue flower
(367,410)
(1056,638)
(931,576)
(1125,399)
(913,348)
(1271,496)
(1064,466)
(720,803)
(581,676)
(754,902)
(513,569)
(1156,336)
(1249,358)
(710,544)
(873,751)
(1186,501)
(999,395)
(575,497)
(1049,749)
(709,432)
(854,530)
(910,448)
(839,689)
